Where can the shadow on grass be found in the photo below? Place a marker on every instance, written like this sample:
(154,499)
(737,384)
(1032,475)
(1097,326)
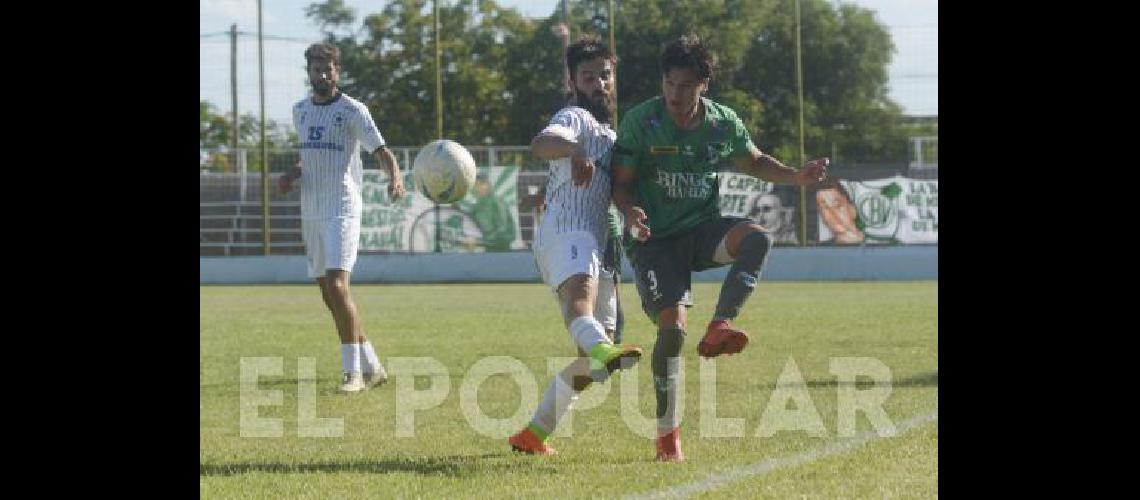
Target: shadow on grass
(454,465)
(266,382)
(325,386)
(928,379)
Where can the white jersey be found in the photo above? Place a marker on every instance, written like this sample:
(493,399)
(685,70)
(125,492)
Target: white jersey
(574,208)
(332,174)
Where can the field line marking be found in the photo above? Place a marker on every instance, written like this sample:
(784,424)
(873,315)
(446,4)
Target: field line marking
(767,465)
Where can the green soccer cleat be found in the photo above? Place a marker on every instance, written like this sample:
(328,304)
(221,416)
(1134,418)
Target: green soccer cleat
(607,358)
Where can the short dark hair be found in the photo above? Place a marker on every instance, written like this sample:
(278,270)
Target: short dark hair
(587,47)
(322,51)
(688,52)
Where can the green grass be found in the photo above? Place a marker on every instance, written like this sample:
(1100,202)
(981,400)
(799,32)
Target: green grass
(810,323)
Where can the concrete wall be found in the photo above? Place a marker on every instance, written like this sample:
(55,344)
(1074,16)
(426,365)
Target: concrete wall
(918,262)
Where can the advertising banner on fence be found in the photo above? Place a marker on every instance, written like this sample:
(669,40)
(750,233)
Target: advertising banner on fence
(770,205)
(882,211)
(486,220)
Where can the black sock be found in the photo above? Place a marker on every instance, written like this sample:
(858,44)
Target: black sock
(743,274)
(668,346)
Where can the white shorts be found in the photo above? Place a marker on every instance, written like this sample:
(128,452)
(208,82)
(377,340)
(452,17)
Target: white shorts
(330,244)
(560,256)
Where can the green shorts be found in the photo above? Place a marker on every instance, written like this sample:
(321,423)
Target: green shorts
(663,267)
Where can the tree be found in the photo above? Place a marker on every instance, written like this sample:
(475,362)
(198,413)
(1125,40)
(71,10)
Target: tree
(392,69)
(216,132)
(645,26)
(332,12)
(502,73)
(846,54)
(213,129)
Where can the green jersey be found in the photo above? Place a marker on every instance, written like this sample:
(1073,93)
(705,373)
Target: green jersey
(676,170)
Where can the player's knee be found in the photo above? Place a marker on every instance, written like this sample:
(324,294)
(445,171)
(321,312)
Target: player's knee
(754,248)
(577,286)
(756,242)
(574,294)
(338,288)
(671,317)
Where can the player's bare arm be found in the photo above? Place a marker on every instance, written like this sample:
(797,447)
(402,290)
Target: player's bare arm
(388,160)
(552,147)
(634,216)
(763,166)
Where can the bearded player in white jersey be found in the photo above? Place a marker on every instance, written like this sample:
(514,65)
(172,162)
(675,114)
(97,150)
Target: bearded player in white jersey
(571,238)
(332,128)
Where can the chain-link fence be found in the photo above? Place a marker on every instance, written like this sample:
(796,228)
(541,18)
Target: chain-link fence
(864,203)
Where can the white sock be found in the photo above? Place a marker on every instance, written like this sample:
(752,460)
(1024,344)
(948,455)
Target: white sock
(555,403)
(672,418)
(350,357)
(368,355)
(587,332)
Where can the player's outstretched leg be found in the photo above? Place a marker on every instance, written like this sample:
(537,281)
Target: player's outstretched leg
(560,395)
(721,337)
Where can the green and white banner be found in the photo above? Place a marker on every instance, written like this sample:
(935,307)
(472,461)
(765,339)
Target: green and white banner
(486,220)
(770,205)
(883,211)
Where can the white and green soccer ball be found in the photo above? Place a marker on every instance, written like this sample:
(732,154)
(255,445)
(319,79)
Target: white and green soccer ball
(443,171)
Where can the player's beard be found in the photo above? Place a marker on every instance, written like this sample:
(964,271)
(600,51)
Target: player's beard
(602,106)
(322,89)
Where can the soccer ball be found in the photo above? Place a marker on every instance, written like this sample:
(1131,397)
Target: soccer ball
(443,171)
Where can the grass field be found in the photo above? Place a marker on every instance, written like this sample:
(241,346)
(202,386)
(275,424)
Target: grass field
(810,324)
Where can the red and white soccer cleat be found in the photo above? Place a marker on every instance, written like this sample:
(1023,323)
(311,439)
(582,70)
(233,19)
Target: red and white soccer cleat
(529,443)
(722,338)
(669,447)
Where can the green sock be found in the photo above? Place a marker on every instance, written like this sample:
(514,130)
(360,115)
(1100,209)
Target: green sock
(538,431)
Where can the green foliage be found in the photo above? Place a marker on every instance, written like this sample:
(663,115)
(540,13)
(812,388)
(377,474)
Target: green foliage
(215,136)
(645,26)
(392,70)
(502,73)
(846,55)
(331,13)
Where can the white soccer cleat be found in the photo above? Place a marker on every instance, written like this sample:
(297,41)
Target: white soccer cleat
(352,382)
(376,377)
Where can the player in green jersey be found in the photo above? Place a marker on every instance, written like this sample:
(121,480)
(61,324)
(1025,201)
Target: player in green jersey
(668,153)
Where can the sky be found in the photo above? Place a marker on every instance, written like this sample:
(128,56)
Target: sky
(913,25)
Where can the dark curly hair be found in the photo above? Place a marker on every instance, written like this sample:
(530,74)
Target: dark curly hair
(587,47)
(688,52)
(322,51)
